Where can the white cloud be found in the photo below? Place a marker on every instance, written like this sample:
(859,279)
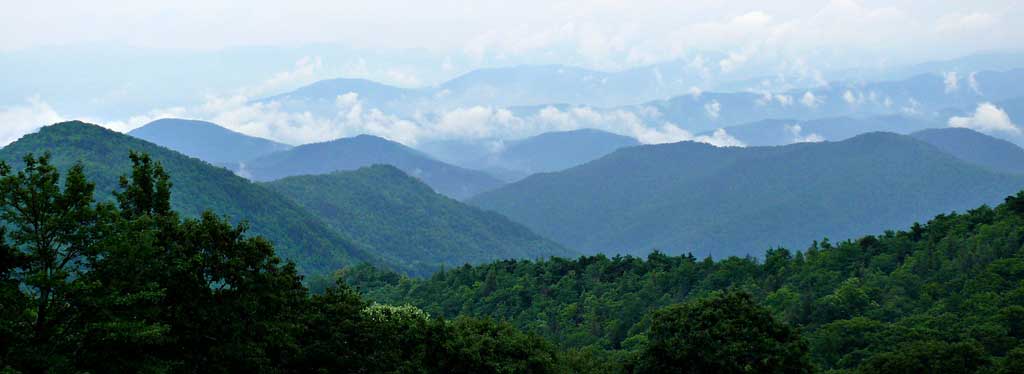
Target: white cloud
(736,59)
(959,22)
(352,117)
(987,118)
(951,82)
(850,98)
(973,83)
(596,33)
(912,108)
(720,138)
(768,98)
(713,109)
(784,100)
(27,118)
(810,100)
(796,131)
(695,91)
(403,78)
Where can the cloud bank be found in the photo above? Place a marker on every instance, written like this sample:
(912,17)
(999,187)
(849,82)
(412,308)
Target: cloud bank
(987,118)
(26,118)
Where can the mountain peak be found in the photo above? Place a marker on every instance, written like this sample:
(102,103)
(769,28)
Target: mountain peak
(206,140)
(364,150)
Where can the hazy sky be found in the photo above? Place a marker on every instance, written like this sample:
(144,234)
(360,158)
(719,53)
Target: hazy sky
(122,62)
(603,33)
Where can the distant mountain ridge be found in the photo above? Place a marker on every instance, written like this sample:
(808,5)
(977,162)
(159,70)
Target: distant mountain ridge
(206,141)
(689,196)
(925,96)
(404,221)
(787,131)
(365,150)
(976,148)
(656,97)
(514,159)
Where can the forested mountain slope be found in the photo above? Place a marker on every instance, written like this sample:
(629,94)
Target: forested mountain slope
(554,151)
(940,297)
(976,148)
(689,196)
(403,220)
(198,186)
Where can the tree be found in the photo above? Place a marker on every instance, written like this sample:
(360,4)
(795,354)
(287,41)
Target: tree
(929,356)
(333,339)
(54,230)
(486,346)
(724,333)
(12,303)
(1016,203)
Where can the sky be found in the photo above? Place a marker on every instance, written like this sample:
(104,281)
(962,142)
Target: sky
(121,62)
(603,34)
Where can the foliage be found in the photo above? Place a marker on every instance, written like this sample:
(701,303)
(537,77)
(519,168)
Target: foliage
(957,281)
(103,154)
(132,287)
(724,333)
(403,220)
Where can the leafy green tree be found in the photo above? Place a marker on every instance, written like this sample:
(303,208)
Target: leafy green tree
(53,229)
(1016,203)
(929,357)
(724,333)
(1014,362)
(12,303)
(334,338)
(486,346)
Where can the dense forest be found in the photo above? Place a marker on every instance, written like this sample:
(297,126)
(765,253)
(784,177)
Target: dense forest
(399,218)
(199,187)
(947,296)
(130,286)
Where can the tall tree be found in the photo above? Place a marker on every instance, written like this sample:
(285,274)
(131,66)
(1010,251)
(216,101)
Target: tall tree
(725,333)
(54,231)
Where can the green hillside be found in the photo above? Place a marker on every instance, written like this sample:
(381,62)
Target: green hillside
(198,186)
(947,296)
(689,196)
(403,220)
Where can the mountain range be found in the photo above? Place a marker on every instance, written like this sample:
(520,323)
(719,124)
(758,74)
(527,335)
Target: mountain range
(364,150)
(786,131)
(688,196)
(376,215)
(925,96)
(401,219)
(512,160)
(197,186)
